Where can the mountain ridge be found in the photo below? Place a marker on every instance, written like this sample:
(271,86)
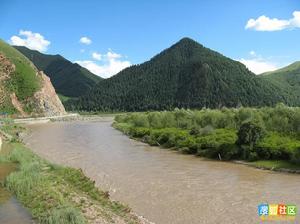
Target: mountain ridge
(69,79)
(188,75)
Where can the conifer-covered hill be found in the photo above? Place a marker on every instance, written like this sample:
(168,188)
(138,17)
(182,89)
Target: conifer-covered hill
(185,75)
(69,79)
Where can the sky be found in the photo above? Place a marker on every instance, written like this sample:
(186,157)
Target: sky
(107,36)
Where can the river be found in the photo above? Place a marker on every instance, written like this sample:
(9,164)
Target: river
(162,185)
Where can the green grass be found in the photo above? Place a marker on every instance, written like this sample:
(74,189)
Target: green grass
(276,164)
(24,81)
(7,106)
(56,194)
(12,130)
(33,187)
(49,191)
(65,215)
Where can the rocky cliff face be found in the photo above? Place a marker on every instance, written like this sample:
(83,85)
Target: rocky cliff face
(44,102)
(6,68)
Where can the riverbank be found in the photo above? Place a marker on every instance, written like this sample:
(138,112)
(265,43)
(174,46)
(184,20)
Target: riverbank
(161,184)
(11,211)
(64,118)
(273,165)
(58,194)
(248,136)
(36,120)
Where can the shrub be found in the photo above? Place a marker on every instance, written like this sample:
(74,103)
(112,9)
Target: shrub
(139,132)
(277,146)
(264,133)
(223,152)
(140,120)
(202,131)
(168,120)
(296,156)
(249,134)
(155,120)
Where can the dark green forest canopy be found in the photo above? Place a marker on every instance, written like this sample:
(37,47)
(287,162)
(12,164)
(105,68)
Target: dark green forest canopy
(186,75)
(68,79)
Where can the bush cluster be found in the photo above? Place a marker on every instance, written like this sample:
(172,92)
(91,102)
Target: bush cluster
(243,133)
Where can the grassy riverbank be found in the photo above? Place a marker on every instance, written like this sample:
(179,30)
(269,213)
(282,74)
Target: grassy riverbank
(249,134)
(57,194)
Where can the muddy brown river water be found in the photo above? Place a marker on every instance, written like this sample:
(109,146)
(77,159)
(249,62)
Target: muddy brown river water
(162,185)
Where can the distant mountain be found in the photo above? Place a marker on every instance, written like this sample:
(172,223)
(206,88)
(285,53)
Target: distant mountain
(25,91)
(185,75)
(69,79)
(287,78)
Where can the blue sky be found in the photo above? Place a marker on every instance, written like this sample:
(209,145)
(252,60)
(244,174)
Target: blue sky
(130,32)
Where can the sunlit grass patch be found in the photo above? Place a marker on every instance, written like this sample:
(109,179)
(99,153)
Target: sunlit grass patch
(276,164)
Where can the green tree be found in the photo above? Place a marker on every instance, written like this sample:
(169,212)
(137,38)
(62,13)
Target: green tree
(248,136)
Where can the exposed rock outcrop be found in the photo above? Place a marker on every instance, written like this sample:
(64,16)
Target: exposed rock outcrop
(6,68)
(46,99)
(44,102)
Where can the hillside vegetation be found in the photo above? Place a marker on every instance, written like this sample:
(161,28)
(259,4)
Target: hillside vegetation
(245,133)
(69,79)
(287,78)
(25,91)
(186,75)
(23,80)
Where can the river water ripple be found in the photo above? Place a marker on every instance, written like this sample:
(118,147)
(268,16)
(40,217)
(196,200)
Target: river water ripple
(162,185)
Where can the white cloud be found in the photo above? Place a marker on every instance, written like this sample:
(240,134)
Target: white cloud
(97,56)
(264,23)
(34,41)
(259,66)
(112,55)
(85,40)
(112,63)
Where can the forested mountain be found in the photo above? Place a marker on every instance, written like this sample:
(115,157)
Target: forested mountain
(287,78)
(69,79)
(185,75)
